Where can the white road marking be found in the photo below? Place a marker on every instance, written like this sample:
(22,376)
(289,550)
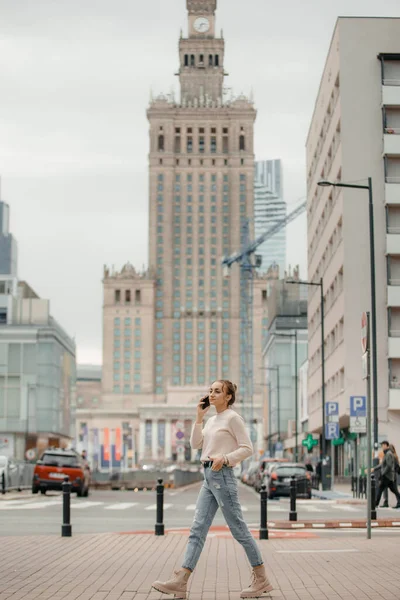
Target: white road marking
(191,507)
(85,504)
(121,506)
(313,509)
(315,551)
(30,506)
(154,506)
(347,508)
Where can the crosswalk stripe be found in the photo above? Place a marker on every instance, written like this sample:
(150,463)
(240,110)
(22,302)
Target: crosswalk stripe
(30,506)
(121,506)
(191,507)
(85,504)
(154,506)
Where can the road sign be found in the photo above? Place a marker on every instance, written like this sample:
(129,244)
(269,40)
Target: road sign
(331,431)
(332,411)
(364,332)
(309,442)
(358,414)
(358,406)
(30,454)
(180,435)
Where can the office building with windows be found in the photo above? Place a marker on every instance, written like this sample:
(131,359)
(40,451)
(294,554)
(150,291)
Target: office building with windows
(37,376)
(201,191)
(269,209)
(354,134)
(8,244)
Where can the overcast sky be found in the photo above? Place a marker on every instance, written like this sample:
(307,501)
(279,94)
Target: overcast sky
(75,81)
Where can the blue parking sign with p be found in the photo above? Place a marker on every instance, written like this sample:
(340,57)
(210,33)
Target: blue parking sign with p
(331,431)
(332,409)
(358,406)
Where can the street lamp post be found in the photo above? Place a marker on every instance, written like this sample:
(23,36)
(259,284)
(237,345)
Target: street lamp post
(294,335)
(278,397)
(373,292)
(320,284)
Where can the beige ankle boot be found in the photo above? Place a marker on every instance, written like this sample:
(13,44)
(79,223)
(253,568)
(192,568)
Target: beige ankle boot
(259,584)
(177,585)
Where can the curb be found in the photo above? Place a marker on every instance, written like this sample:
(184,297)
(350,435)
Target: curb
(333,524)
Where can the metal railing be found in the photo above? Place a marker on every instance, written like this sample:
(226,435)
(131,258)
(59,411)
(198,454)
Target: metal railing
(17,476)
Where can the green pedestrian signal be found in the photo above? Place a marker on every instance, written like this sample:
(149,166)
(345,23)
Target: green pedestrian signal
(309,442)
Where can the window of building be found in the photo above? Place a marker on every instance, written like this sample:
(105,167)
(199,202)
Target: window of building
(192,60)
(189,144)
(137,297)
(161,143)
(116,389)
(117,296)
(242,143)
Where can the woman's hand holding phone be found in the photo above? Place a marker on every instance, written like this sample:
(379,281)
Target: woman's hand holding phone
(202,409)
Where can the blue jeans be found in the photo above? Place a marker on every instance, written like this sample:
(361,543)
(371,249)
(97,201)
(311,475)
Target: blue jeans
(219,490)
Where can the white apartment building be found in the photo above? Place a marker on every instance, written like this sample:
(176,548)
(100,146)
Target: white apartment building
(269,209)
(353,136)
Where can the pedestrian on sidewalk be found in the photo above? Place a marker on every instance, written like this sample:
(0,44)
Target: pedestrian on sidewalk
(225,443)
(388,474)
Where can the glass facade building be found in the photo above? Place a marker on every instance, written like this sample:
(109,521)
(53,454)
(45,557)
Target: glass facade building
(269,209)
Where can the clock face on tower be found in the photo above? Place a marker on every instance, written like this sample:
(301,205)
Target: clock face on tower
(201,25)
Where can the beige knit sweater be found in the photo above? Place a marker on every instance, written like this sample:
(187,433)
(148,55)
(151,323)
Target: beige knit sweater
(224,433)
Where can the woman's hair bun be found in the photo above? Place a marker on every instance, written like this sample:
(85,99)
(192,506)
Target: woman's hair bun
(235,386)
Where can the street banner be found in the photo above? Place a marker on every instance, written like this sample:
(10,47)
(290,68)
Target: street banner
(106,444)
(118,444)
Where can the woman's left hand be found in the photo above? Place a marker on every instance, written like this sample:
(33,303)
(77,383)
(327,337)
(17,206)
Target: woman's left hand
(218,462)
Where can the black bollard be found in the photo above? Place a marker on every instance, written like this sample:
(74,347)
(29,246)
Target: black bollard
(3,483)
(293,493)
(372,501)
(66,528)
(160,508)
(264,514)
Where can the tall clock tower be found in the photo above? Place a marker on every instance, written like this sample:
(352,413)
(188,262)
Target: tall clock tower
(201,167)
(201,55)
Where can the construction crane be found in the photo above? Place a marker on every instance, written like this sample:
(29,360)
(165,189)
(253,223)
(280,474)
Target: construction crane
(247,267)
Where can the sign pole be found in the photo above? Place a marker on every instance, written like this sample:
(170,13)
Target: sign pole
(369,435)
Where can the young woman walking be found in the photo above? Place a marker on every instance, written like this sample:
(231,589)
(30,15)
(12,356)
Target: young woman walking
(224,443)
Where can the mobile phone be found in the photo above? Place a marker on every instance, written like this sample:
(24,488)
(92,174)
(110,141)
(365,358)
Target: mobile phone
(206,402)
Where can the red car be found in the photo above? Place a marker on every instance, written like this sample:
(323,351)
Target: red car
(54,465)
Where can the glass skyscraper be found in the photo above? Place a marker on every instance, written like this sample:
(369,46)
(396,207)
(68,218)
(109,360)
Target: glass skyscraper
(269,209)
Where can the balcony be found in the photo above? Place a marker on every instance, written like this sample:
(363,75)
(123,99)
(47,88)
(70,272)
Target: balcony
(393,293)
(391,141)
(391,93)
(393,240)
(392,192)
(394,396)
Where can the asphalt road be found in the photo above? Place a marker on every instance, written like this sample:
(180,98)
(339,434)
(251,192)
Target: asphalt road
(128,511)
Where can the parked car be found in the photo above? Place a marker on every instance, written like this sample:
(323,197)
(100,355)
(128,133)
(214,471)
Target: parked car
(248,466)
(251,473)
(264,465)
(9,471)
(277,480)
(54,465)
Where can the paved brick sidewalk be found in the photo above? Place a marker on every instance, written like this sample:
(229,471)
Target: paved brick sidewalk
(122,567)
